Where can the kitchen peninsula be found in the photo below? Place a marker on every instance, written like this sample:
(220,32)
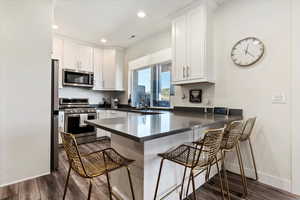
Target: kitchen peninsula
(142,136)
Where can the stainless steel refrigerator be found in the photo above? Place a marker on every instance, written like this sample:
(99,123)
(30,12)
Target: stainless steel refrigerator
(54,114)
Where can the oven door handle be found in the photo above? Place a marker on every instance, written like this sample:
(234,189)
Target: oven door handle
(78,115)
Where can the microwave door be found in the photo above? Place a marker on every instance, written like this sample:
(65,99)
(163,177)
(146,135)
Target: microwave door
(73,78)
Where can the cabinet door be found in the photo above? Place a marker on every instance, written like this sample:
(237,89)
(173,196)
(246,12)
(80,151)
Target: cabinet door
(85,58)
(196,43)
(71,55)
(57,53)
(179,38)
(98,69)
(109,69)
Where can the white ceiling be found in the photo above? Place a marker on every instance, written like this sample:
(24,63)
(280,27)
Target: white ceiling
(115,20)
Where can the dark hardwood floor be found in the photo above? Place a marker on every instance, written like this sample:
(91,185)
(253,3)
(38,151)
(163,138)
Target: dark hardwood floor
(50,187)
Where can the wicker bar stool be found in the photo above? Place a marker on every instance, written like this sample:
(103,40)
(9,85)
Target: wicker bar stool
(237,131)
(230,143)
(246,133)
(194,158)
(93,164)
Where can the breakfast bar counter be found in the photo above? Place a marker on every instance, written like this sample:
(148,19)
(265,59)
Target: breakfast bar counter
(142,136)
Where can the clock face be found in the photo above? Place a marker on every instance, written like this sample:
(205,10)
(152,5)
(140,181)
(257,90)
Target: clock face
(247,51)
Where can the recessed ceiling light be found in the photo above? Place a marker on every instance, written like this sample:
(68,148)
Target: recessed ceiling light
(141,14)
(103,40)
(54,26)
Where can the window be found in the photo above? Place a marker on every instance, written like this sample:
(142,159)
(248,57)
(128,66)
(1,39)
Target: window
(152,86)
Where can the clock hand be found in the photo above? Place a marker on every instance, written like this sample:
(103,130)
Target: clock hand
(246,51)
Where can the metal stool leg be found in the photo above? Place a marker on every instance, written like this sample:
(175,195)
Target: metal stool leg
(193,183)
(67,182)
(220,177)
(130,182)
(241,169)
(182,184)
(188,186)
(225,174)
(158,179)
(108,185)
(207,173)
(90,189)
(253,159)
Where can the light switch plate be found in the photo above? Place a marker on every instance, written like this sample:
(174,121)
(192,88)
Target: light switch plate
(279,99)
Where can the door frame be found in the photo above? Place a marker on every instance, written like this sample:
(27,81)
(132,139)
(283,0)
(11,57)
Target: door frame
(295,97)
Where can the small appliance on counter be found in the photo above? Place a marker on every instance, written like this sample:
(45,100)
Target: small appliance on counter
(106,102)
(115,103)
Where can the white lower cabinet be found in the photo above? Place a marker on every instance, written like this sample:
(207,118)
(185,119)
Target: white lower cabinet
(61,125)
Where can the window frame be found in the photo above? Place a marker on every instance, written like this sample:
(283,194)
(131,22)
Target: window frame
(160,57)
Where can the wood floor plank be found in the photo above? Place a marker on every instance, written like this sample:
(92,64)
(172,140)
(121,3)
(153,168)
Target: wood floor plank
(51,187)
(11,191)
(29,190)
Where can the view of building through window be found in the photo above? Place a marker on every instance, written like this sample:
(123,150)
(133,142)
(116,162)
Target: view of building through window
(152,85)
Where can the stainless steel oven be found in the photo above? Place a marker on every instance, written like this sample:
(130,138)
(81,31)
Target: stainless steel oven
(77,78)
(77,111)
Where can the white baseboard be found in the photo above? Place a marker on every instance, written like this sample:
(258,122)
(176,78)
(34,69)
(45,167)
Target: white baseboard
(281,183)
(25,179)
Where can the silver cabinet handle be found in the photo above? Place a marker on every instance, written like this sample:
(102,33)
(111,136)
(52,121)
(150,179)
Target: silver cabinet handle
(187,71)
(183,67)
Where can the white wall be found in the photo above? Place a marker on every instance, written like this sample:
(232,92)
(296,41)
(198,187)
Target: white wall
(25,50)
(252,88)
(145,47)
(295,96)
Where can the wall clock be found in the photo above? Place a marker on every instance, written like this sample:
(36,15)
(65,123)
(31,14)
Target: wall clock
(247,52)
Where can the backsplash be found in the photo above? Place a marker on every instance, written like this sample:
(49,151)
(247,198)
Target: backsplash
(95,97)
(182,94)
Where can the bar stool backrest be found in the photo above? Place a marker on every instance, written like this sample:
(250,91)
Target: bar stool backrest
(232,135)
(248,128)
(211,145)
(74,157)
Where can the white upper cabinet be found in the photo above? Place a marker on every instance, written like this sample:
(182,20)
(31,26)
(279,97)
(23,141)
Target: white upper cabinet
(107,64)
(179,33)
(190,42)
(86,58)
(98,69)
(77,56)
(108,70)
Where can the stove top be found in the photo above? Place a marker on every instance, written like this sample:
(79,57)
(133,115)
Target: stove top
(79,110)
(76,105)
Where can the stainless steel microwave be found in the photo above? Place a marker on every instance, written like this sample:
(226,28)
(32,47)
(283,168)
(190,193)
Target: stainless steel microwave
(77,78)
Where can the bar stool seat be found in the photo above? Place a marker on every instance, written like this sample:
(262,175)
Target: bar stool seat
(185,155)
(95,165)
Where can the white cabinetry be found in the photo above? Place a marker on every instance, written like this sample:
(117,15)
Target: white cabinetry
(108,68)
(190,46)
(77,56)
(61,125)
(98,69)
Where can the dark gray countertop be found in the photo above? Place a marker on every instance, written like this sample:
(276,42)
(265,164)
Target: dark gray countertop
(142,128)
